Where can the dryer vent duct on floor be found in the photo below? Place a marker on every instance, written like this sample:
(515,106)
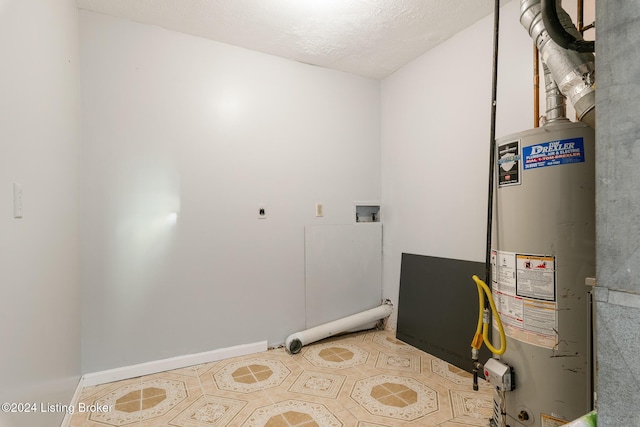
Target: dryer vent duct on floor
(356,322)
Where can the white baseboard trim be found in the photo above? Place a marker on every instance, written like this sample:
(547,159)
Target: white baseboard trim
(156,366)
(74,404)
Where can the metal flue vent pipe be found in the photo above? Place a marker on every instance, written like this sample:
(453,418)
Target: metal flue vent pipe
(574,72)
(556,105)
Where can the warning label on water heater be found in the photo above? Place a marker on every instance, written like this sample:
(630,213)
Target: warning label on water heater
(535,277)
(549,421)
(524,291)
(553,153)
(509,163)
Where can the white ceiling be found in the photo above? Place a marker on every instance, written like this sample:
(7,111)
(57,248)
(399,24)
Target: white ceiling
(371,38)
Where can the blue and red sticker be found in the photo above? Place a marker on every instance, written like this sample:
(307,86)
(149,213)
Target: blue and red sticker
(553,153)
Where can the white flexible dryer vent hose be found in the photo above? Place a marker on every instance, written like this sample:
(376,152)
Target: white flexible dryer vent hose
(355,322)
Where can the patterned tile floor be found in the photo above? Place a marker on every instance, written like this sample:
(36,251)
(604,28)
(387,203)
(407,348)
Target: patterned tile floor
(368,379)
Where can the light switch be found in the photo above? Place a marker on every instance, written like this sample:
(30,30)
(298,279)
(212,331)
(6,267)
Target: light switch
(17,200)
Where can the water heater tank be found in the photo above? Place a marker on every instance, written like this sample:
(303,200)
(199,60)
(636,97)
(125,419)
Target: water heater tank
(543,250)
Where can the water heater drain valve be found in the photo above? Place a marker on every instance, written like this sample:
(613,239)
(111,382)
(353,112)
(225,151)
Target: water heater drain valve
(499,374)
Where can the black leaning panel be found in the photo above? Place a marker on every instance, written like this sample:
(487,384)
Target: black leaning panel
(438,307)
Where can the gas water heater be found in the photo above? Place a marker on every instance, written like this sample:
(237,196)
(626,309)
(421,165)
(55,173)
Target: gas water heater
(543,249)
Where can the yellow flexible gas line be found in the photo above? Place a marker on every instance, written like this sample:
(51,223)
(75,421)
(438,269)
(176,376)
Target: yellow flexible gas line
(482,330)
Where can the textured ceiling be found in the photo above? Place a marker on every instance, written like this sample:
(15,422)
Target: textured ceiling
(371,38)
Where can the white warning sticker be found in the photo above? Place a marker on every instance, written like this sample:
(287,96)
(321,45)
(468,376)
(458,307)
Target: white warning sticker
(510,307)
(540,316)
(549,421)
(506,272)
(535,277)
(524,292)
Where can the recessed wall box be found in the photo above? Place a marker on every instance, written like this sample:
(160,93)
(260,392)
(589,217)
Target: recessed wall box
(367,213)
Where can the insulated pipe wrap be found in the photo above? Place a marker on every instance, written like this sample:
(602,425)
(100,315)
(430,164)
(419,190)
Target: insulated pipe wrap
(574,72)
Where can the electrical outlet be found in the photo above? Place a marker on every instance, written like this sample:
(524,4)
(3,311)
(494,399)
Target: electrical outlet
(319,209)
(262,211)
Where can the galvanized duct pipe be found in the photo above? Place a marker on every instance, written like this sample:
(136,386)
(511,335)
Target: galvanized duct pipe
(574,72)
(556,105)
(536,87)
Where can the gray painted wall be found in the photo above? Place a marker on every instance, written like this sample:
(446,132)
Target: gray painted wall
(428,138)
(343,270)
(178,124)
(39,253)
(618,213)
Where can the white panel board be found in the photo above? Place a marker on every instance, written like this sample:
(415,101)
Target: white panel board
(343,270)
